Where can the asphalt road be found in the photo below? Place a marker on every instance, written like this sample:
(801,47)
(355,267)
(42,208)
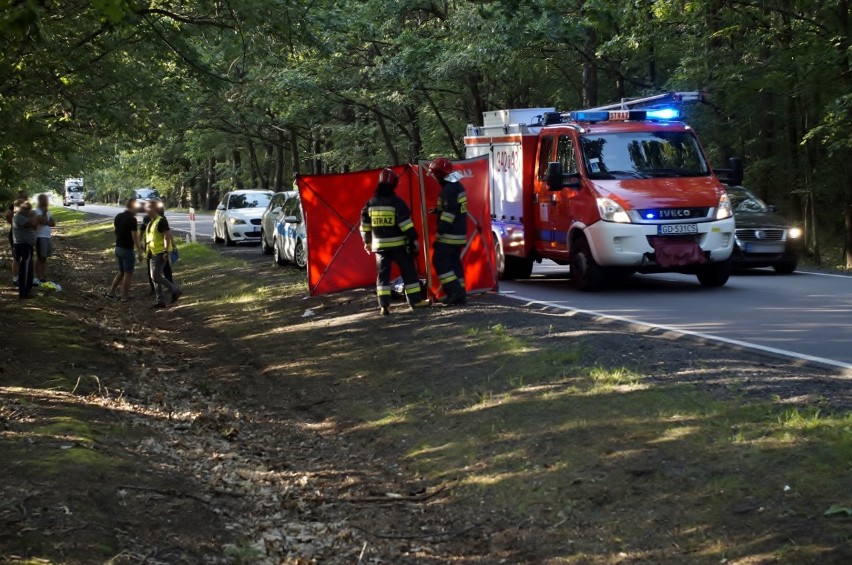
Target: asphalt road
(806,315)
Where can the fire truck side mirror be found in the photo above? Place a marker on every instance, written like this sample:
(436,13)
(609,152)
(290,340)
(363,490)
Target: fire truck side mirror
(557,179)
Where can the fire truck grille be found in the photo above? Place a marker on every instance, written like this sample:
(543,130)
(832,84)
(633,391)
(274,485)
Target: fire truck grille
(765,234)
(695,238)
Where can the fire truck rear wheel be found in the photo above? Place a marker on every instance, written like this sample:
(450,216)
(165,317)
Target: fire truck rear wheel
(511,268)
(715,275)
(586,274)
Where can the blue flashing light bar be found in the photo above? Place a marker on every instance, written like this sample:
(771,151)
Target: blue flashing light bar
(590,116)
(593,116)
(664,114)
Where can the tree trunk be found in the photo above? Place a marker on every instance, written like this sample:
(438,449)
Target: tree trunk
(209,193)
(590,69)
(416,144)
(848,239)
(279,161)
(383,129)
(256,173)
(294,152)
(450,134)
(236,169)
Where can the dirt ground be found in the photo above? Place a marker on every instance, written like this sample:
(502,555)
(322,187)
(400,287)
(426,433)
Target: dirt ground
(250,424)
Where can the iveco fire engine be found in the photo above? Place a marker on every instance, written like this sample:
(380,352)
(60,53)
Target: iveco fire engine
(612,190)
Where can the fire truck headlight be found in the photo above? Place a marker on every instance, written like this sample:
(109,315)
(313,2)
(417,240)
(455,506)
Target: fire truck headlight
(611,211)
(794,233)
(724,210)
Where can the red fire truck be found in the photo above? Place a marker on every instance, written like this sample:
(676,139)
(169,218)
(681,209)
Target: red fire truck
(609,191)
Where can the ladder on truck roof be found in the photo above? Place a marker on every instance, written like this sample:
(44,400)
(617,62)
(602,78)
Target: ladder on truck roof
(648,102)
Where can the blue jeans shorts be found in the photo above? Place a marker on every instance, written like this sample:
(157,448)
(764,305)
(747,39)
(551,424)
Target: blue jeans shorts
(126,260)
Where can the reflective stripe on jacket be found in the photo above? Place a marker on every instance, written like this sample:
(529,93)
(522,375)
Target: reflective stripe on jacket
(386,223)
(452,207)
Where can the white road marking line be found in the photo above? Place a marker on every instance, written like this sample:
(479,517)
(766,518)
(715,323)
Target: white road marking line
(847,277)
(745,344)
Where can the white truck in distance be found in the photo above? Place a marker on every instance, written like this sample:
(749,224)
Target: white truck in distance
(74,193)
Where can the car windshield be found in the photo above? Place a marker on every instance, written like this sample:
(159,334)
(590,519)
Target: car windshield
(743,200)
(253,200)
(74,188)
(147,194)
(644,154)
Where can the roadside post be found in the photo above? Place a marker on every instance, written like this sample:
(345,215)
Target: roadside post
(192,224)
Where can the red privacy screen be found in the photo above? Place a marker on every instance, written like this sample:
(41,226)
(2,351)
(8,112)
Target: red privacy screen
(332,207)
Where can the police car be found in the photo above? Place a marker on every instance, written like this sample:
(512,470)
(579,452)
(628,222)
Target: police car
(283,233)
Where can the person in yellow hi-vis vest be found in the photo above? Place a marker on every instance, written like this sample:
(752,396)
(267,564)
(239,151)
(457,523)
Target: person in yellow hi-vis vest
(158,244)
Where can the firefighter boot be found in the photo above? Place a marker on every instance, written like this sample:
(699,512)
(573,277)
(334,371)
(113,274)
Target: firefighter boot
(422,304)
(384,311)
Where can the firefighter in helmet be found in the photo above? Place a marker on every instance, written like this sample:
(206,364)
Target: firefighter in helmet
(388,231)
(452,231)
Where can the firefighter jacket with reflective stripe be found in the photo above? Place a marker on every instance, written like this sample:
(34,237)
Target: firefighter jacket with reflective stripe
(155,242)
(386,223)
(452,210)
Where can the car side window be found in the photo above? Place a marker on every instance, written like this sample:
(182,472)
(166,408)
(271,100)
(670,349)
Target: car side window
(566,155)
(544,156)
(288,207)
(276,201)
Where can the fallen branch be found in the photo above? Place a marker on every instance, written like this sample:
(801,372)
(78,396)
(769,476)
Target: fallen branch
(447,535)
(165,492)
(386,499)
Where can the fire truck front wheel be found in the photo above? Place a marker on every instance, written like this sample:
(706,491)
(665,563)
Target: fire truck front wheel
(715,275)
(586,274)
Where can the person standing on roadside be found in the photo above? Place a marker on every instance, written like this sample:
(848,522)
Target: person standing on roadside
(24,236)
(10,213)
(452,231)
(167,270)
(44,244)
(158,245)
(127,246)
(387,231)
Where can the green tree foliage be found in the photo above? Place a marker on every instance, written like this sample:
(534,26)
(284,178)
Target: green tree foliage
(195,97)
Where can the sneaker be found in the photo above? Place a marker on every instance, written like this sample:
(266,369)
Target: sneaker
(126,299)
(422,304)
(159,304)
(110,296)
(384,311)
(176,295)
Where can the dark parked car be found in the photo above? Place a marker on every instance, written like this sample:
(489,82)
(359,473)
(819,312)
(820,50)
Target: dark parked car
(763,238)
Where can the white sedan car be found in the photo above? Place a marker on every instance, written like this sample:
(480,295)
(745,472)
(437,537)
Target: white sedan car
(238,216)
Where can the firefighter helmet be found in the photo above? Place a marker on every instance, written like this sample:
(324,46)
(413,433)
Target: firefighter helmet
(388,177)
(440,167)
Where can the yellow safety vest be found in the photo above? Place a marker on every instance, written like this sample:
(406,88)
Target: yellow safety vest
(155,242)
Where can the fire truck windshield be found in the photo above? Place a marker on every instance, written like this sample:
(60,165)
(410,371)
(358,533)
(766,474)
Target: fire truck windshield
(644,154)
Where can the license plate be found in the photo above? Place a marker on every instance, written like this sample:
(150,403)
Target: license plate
(677,229)
(767,248)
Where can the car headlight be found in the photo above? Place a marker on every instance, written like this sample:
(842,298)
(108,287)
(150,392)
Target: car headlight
(724,211)
(611,211)
(236,221)
(794,233)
